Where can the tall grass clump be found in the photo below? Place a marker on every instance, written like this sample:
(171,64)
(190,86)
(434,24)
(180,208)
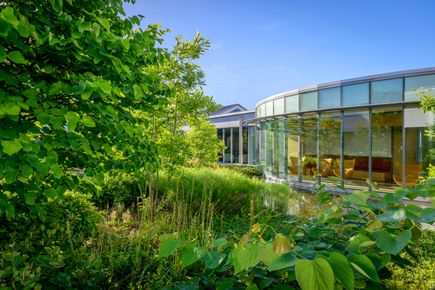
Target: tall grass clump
(229,191)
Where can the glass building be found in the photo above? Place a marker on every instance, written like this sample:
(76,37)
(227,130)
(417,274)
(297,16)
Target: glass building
(238,135)
(345,133)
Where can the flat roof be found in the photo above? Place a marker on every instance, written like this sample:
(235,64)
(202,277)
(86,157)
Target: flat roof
(375,77)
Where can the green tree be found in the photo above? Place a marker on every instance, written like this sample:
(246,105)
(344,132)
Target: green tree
(77,87)
(204,144)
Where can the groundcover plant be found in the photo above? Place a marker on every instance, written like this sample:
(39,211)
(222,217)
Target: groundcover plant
(347,246)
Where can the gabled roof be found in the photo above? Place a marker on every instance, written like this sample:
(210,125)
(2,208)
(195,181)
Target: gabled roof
(229,109)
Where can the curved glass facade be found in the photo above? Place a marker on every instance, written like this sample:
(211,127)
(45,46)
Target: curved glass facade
(348,132)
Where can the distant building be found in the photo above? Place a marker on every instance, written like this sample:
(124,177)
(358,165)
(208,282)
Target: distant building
(346,132)
(238,136)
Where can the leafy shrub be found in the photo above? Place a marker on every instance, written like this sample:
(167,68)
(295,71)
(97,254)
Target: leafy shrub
(44,253)
(251,171)
(348,245)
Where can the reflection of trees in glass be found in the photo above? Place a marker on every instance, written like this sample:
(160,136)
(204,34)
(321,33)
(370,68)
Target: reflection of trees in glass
(292,146)
(330,145)
(427,104)
(309,146)
(330,126)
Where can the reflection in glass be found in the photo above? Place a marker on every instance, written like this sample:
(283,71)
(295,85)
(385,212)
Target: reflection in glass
(329,151)
(227,141)
(387,91)
(220,137)
(292,104)
(251,145)
(279,149)
(278,106)
(245,144)
(355,95)
(356,149)
(308,101)
(269,108)
(269,146)
(236,150)
(292,147)
(261,145)
(329,98)
(386,146)
(414,83)
(417,156)
(309,147)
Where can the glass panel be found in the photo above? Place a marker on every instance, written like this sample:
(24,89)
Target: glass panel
(418,156)
(292,147)
(245,145)
(278,106)
(261,146)
(329,98)
(355,95)
(309,147)
(414,83)
(387,91)
(356,149)
(330,147)
(269,108)
(251,144)
(227,140)
(276,160)
(386,146)
(236,156)
(269,147)
(308,101)
(279,149)
(220,137)
(292,104)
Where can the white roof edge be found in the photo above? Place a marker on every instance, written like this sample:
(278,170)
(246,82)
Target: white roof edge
(403,73)
(232,114)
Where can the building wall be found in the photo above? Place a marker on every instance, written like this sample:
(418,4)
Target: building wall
(348,132)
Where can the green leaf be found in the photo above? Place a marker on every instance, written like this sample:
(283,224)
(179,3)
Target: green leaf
(342,269)
(190,255)
(4,27)
(427,215)
(11,147)
(11,174)
(87,121)
(26,170)
(213,259)
(72,119)
(138,93)
(2,53)
(23,27)
(281,262)
(358,198)
(8,14)
(220,242)
(364,266)
(87,93)
(55,88)
(393,244)
(84,26)
(104,22)
(246,256)
(10,108)
(396,215)
(168,245)
(17,57)
(10,212)
(314,274)
(30,197)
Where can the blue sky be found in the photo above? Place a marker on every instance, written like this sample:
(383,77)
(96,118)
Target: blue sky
(261,48)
